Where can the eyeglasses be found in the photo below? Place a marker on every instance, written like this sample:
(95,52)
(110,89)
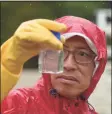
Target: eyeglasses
(80,55)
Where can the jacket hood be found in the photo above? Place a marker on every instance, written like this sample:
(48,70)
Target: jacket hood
(94,37)
(88,30)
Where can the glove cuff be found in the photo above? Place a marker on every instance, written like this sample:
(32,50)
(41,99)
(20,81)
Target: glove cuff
(8,81)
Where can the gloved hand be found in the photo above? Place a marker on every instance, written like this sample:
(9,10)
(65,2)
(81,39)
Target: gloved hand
(29,39)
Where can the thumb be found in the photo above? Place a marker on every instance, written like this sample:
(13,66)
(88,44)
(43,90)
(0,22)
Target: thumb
(62,39)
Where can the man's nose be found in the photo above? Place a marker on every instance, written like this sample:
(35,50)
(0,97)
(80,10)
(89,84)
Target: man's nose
(70,63)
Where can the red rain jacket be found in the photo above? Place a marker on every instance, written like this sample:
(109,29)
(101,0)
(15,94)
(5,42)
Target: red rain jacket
(42,99)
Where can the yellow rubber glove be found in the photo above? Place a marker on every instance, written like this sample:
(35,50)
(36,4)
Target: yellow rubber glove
(29,39)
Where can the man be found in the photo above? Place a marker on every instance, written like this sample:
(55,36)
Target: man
(85,58)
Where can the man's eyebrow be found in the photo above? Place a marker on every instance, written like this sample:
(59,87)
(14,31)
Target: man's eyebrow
(78,47)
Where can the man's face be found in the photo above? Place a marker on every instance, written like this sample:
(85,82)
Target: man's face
(76,76)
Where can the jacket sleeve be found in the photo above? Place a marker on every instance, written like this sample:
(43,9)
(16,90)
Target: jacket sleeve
(16,102)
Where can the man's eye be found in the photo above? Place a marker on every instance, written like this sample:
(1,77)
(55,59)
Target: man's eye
(81,53)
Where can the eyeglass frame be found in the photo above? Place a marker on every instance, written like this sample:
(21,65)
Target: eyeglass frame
(93,55)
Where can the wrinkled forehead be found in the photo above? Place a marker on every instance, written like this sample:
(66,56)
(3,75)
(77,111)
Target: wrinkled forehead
(76,42)
(76,39)
(81,39)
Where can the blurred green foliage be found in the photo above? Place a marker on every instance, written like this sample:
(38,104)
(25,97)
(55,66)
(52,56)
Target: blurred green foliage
(14,13)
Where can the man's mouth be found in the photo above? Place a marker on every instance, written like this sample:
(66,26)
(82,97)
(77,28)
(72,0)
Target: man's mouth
(68,79)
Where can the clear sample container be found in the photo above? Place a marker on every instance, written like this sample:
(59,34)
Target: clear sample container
(51,61)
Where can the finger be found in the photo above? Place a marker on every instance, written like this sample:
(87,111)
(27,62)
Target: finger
(52,25)
(49,41)
(56,44)
(33,28)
